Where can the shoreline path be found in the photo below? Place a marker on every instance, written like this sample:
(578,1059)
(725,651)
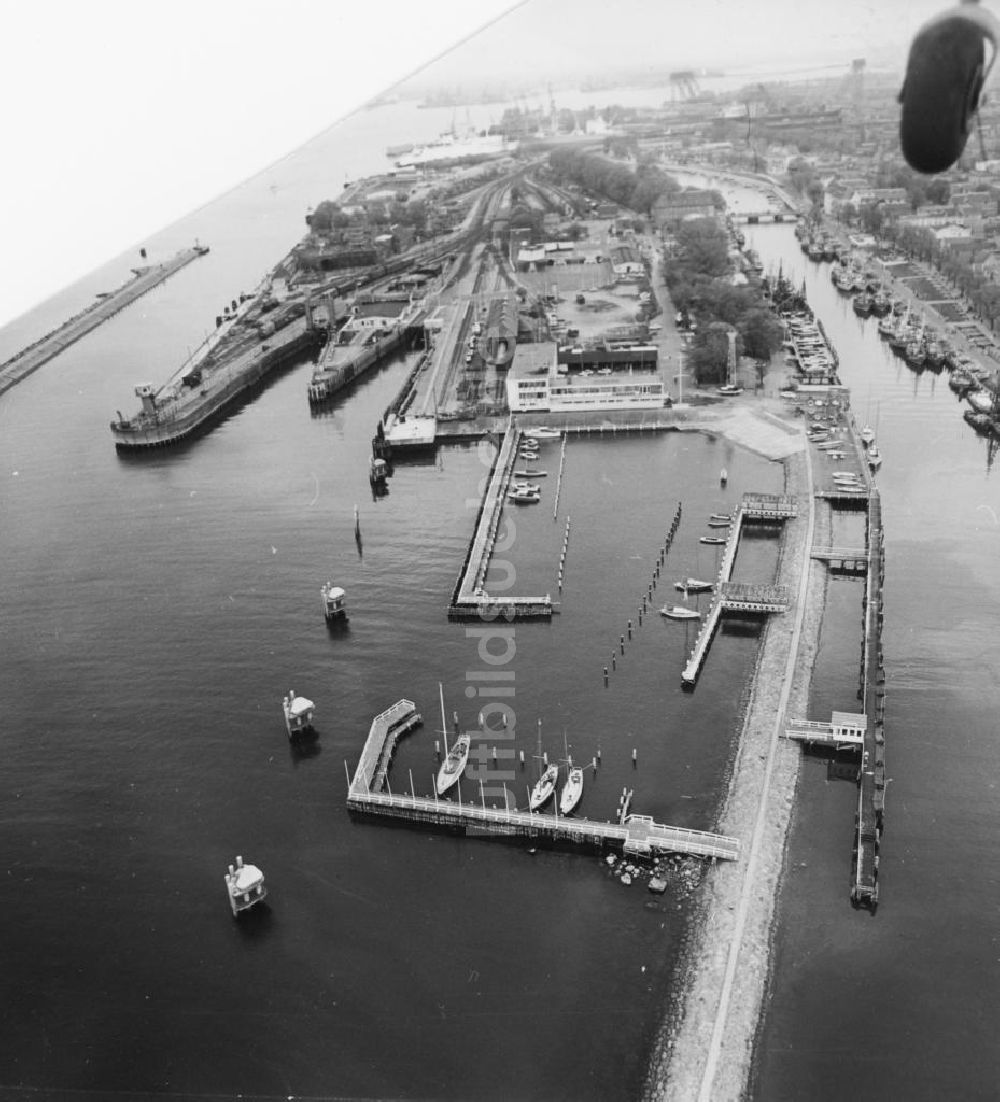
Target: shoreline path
(705,1050)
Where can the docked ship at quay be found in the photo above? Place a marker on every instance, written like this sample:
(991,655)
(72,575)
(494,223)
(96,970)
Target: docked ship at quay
(252,337)
(376,327)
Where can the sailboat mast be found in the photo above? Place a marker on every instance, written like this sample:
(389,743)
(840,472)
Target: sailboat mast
(444,722)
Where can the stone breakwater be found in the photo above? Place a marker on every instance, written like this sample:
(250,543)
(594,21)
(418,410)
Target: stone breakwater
(705,1046)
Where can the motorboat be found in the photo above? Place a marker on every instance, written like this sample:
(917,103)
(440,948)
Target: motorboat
(542,432)
(874,456)
(524,497)
(712,539)
(679,612)
(244,886)
(544,787)
(980,400)
(867,434)
(572,790)
(526,487)
(981,422)
(693,585)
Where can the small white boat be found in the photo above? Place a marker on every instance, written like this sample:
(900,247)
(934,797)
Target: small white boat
(544,787)
(712,539)
(526,487)
(720,523)
(874,456)
(572,790)
(524,497)
(693,585)
(679,612)
(542,432)
(526,473)
(867,434)
(727,517)
(723,476)
(244,886)
(298,713)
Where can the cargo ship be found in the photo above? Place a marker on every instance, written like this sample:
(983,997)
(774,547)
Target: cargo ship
(374,329)
(249,342)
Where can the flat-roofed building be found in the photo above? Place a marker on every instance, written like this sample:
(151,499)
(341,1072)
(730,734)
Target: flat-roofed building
(550,379)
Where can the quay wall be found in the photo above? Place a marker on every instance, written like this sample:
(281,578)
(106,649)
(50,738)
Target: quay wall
(152,434)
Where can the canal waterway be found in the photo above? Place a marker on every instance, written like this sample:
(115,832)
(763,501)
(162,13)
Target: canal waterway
(905,1004)
(156,609)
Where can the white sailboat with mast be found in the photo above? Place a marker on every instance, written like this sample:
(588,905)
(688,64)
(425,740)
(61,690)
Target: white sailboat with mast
(572,790)
(546,783)
(455,759)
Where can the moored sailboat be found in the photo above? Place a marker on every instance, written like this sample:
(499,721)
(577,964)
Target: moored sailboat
(455,759)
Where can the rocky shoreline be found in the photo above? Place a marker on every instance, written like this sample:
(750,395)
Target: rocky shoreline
(705,1046)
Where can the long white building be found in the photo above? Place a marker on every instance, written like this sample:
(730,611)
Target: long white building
(627,379)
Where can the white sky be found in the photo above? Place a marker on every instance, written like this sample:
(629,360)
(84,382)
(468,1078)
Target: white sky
(119,116)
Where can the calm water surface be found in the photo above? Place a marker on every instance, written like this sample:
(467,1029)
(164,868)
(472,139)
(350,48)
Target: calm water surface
(156,608)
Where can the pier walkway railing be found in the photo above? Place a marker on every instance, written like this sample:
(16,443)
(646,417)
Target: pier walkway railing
(735,596)
(636,834)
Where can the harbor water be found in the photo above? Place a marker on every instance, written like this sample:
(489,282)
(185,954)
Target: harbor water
(156,610)
(904,1004)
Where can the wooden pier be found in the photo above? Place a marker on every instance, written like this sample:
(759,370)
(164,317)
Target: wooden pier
(869,821)
(469,599)
(636,835)
(736,597)
(863,733)
(33,357)
(845,560)
(845,731)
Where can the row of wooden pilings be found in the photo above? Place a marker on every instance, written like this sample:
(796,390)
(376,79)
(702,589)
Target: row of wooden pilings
(562,464)
(646,604)
(562,553)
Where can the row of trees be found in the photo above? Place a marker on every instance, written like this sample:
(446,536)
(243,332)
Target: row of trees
(700,284)
(963,269)
(637,187)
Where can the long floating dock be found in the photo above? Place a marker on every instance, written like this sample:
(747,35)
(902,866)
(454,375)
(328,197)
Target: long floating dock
(636,835)
(33,357)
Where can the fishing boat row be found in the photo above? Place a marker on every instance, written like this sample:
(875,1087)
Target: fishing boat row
(808,349)
(367,337)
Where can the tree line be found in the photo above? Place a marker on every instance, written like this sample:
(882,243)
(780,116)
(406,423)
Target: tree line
(637,186)
(699,279)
